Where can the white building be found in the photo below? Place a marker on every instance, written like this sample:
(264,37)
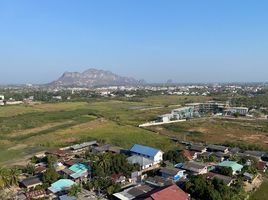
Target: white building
(150,153)
(233,110)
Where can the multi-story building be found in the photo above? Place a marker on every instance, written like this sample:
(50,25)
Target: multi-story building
(232,110)
(183,113)
(207,107)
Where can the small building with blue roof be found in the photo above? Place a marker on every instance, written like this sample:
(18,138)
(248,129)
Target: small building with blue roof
(150,153)
(236,168)
(61,185)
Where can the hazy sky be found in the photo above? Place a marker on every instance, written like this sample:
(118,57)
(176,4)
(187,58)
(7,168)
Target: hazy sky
(183,40)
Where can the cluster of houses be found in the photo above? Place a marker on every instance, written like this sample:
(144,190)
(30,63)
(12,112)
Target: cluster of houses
(163,184)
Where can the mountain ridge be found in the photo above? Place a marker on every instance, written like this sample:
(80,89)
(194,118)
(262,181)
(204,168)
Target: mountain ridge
(93,77)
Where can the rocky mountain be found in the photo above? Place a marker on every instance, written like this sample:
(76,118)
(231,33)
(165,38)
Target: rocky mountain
(92,78)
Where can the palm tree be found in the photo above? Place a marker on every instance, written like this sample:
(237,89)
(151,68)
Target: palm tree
(3,177)
(14,176)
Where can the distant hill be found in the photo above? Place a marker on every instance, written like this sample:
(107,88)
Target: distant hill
(92,78)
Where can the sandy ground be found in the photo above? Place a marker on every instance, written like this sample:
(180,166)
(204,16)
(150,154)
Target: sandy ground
(256,183)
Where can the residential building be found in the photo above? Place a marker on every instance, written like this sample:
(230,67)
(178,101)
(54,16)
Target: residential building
(195,167)
(198,148)
(262,166)
(61,185)
(226,179)
(153,154)
(236,168)
(217,148)
(31,182)
(36,194)
(83,146)
(172,192)
(142,161)
(172,173)
(133,192)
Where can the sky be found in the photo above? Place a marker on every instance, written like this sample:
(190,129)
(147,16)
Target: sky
(155,40)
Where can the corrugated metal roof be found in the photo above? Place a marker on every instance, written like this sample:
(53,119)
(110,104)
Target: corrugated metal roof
(144,150)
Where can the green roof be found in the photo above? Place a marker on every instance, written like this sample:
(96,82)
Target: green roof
(234,165)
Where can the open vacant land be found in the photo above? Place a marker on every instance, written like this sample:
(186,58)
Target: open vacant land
(25,130)
(214,130)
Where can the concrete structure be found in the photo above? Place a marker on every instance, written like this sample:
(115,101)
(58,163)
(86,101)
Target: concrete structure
(183,113)
(207,107)
(240,110)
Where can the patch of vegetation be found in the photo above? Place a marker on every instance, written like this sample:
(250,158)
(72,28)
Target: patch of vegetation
(201,188)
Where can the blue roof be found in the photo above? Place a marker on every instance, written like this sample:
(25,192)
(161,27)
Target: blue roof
(66,197)
(234,165)
(144,150)
(61,185)
(79,167)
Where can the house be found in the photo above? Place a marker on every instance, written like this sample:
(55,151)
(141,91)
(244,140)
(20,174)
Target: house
(153,154)
(195,167)
(142,161)
(172,173)
(226,179)
(67,197)
(261,166)
(158,181)
(61,185)
(217,148)
(80,171)
(172,192)
(36,194)
(190,155)
(118,178)
(58,166)
(198,148)
(107,148)
(40,170)
(236,168)
(59,153)
(71,162)
(249,177)
(31,182)
(256,154)
(83,146)
(133,192)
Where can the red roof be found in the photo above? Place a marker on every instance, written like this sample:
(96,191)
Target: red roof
(36,193)
(172,192)
(187,154)
(261,165)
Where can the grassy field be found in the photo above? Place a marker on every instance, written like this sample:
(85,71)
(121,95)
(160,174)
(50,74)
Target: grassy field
(218,131)
(28,129)
(25,130)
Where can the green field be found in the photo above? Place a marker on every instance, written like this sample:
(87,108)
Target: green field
(25,130)
(215,130)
